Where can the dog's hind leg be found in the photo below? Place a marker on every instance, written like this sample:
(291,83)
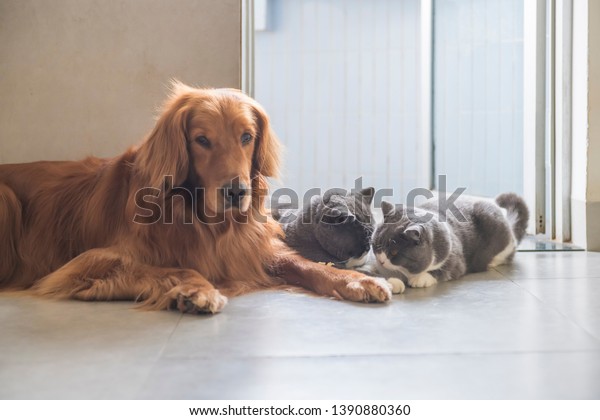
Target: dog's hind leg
(10,232)
(107,274)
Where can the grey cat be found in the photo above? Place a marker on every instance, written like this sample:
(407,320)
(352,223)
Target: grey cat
(423,250)
(336,228)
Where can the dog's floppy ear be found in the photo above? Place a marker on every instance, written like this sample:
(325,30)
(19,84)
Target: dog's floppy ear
(164,153)
(266,152)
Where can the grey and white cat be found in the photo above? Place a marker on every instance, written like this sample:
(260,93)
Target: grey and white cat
(424,250)
(335,228)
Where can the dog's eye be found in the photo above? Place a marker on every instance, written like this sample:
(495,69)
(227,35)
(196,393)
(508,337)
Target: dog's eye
(246,138)
(203,141)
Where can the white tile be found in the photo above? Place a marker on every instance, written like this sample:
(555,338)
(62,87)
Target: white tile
(40,330)
(553,265)
(495,376)
(481,313)
(577,299)
(64,378)
(484,336)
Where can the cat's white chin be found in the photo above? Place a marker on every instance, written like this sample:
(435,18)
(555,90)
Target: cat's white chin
(388,269)
(357,262)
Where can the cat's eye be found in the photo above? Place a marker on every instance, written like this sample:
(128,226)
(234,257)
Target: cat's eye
(393,245)
(341,219)
(344,219)
(246,138)
(333,217)
(203,141)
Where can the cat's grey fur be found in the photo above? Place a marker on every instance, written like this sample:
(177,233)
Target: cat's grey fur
(335,228)
(424,252)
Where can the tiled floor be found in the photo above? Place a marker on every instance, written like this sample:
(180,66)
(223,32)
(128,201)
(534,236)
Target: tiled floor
(531,330)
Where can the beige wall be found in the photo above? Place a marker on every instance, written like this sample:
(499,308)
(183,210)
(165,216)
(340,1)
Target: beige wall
(593,193)
(82,77)
(593,176)
(585,203)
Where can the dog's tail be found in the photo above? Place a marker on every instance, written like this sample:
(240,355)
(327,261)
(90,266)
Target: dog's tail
(517,213)
(10,232)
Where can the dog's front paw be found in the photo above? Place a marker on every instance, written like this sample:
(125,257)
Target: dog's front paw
(365,289)
(422,280)
(193,300)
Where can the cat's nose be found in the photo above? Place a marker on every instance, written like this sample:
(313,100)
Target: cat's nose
(380,258)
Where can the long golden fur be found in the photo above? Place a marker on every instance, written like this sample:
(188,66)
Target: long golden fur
(96,229)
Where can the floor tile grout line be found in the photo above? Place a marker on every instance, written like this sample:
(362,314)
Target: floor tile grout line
(555,309)
(512,277)
(557,278)
(155,361)
(386,355)
(504,276)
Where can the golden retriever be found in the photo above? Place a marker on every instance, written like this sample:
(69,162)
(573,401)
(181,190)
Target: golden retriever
(122,228)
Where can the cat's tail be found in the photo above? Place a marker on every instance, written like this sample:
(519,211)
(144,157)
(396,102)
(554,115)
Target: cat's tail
(275,213)
(281,215)
(517,213)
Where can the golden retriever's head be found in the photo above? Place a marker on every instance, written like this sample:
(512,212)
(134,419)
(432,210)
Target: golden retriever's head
(218,140)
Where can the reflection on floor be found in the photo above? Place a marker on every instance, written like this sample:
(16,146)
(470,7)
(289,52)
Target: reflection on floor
(540,243)
(530,330)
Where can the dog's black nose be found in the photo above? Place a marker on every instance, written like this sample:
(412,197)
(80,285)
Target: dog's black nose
(234,193)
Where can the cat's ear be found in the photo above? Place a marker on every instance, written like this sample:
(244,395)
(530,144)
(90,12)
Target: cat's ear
(387,209)
(331,192)
(334,216)
(413,234)
(367,195)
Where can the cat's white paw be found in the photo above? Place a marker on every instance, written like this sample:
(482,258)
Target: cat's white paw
(422,280)
(357,262)
(397,285)
(502,257)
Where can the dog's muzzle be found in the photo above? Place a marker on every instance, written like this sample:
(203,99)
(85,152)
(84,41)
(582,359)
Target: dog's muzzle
(234,193)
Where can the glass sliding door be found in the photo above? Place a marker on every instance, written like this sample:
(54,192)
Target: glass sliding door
(478,95)
(341,81)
